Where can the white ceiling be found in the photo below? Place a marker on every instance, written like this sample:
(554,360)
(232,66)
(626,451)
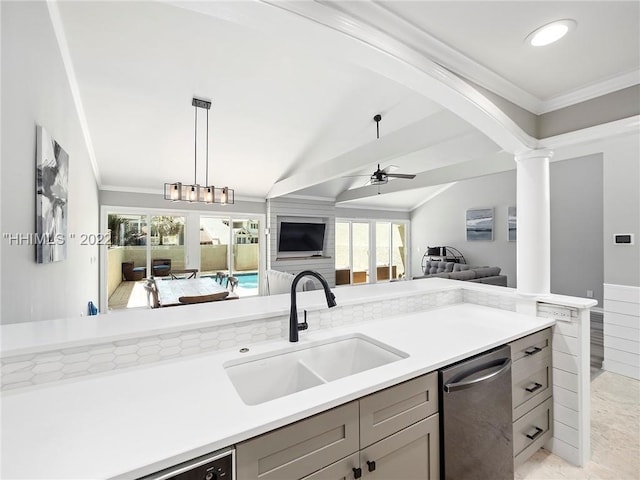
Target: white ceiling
(284,105)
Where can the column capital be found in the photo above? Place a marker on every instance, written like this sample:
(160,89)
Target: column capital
(535,153)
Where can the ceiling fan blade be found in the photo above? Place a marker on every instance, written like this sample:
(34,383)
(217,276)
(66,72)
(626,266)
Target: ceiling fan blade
(401,175)
(390,168)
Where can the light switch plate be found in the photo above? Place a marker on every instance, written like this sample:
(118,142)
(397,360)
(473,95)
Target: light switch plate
(623,239)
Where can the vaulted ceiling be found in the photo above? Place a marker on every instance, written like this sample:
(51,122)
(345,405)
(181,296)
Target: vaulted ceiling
(293,100)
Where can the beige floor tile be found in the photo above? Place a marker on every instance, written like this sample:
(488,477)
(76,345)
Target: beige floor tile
(615,436)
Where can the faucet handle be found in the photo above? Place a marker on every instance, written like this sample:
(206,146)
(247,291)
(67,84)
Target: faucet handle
(304,325)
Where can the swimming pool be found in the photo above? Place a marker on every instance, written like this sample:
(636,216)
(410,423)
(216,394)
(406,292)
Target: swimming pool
(247,280)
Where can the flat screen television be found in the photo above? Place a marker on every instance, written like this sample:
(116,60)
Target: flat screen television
(301,237)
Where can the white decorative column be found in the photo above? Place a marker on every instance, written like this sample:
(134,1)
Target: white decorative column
(534,231)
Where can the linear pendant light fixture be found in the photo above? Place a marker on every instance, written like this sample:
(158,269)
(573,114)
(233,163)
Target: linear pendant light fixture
(194,193)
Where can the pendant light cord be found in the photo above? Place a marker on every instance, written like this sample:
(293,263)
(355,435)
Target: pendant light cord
(207,168)
(195,147)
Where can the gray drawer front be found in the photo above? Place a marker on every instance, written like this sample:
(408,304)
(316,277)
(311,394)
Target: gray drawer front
(538,423)
(411,454)
(531,382)
(389,411)
(301,448)
(534,345)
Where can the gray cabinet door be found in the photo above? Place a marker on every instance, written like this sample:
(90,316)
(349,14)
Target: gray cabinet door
(389,411)
(411,454)
(341,470)
(301,448)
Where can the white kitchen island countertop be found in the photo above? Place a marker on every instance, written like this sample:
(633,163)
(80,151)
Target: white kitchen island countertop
(132,422)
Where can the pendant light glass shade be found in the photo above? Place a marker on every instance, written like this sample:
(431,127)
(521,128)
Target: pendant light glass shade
(176,192)
(208,195)
(193,193)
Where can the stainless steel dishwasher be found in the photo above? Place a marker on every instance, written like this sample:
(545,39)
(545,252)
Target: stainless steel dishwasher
(219,465)
(475,418)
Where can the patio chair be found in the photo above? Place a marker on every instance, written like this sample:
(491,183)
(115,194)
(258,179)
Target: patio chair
(131,273)
(212,297)
(220,276)
(232,283)
(161,267)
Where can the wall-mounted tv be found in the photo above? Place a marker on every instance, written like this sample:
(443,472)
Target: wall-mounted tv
(301,237)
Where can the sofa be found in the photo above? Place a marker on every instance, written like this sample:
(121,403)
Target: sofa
(280,282)
(462,271)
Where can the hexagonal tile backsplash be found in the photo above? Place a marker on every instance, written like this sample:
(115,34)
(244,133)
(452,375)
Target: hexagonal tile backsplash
(28,370)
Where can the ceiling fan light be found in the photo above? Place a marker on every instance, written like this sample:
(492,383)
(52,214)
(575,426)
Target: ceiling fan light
(378,179)
(551,32)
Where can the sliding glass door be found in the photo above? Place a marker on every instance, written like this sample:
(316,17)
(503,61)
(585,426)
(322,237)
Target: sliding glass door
(126,258)
(390,251)
(167,244)
(354,242)
(360,252)
(231,247)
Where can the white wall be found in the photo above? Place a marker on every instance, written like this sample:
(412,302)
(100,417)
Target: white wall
(622,209)
(35,90)
(441,221)
(577,257)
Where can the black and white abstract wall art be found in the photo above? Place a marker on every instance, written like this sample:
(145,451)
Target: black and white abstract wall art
(52,177)
(512,224)
(479,224)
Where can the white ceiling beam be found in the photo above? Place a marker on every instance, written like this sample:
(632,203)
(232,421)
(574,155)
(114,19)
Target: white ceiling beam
(432,130)
(499,162)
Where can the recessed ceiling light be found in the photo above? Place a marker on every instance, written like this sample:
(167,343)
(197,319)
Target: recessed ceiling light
(550,32)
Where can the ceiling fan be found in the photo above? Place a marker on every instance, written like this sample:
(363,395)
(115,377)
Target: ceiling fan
(382,175)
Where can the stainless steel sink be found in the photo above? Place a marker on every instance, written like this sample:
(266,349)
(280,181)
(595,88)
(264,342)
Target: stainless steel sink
(262,378)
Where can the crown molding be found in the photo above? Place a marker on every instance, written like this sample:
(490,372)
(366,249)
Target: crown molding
(589,92)
(597,133)
(405,31)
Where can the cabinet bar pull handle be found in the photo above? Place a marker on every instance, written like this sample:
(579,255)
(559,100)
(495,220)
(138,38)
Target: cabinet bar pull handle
(534,387)
(357,472)
(533,436)
(532,350)
(371,465)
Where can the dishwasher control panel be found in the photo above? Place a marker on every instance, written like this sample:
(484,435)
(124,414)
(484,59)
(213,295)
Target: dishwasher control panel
(214,466)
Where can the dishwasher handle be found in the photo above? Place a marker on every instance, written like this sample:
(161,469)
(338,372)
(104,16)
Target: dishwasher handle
(460,384)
